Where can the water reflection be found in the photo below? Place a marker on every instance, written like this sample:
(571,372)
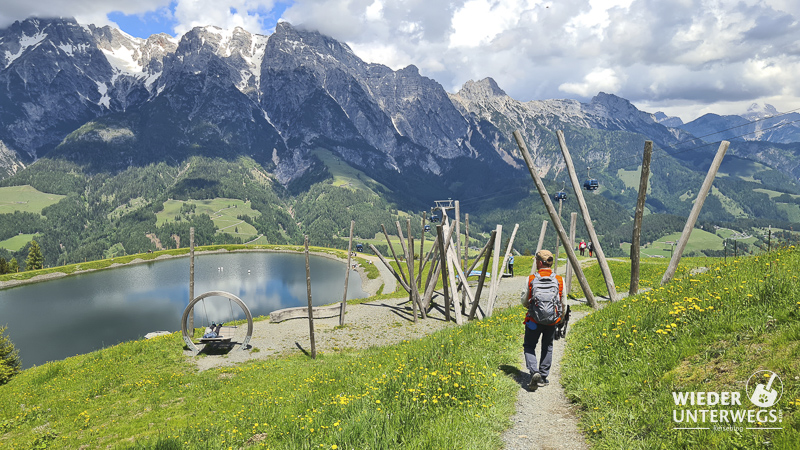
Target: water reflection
(64,317)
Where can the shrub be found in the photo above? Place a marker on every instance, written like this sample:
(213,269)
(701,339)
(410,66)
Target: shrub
(9,358)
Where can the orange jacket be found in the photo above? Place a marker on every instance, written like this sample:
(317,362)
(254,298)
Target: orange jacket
(544,272)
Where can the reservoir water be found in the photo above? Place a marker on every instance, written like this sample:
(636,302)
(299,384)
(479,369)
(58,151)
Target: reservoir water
(59,318)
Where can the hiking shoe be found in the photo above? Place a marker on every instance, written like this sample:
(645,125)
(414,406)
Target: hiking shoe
(536,378)
(543,382)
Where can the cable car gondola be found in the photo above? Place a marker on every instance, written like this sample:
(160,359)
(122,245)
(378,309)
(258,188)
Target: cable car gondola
(359,247)
(561,195)
(590,184)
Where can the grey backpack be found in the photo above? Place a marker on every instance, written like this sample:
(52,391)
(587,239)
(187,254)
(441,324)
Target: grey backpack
(545,303)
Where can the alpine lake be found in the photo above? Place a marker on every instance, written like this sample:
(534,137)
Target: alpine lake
(55,319)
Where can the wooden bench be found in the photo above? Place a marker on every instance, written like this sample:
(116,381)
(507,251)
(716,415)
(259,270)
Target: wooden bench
(320,312)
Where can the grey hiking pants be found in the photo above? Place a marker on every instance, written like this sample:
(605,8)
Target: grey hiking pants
(542,365)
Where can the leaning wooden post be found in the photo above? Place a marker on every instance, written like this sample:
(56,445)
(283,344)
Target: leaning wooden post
(489,247)
(501,270)
(587,291)
(347,273)
(191,279)
(495,270)
(587,220)
(466,240)
(421,249)
(698,205)
(443,269)
(409,266)
(573,221)
(414,294)
(539,245)
(637,217)
(310,308)
(394,255)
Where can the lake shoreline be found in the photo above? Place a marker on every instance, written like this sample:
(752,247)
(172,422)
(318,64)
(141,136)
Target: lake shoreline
(370,287)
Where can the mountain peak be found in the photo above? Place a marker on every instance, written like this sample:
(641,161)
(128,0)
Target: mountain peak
(756,111)
(486,87)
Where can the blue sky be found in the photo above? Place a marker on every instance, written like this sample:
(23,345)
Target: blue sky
(163,20)
(683,57)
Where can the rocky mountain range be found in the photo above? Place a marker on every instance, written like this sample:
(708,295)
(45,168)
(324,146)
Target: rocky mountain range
(107,101)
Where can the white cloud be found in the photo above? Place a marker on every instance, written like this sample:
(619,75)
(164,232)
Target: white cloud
(660,54)
(599,80)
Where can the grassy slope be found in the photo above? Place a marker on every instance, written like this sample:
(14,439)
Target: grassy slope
(223,212)
(17,242)
(25,199)
(707,332)
(453,389)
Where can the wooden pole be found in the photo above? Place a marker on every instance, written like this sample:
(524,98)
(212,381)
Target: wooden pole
(558,246)
(191,279)
(557,223)
(501,270)
(495,270)
(394,255)
(698,205)
(477,259)
(421,249)
(347,274)
(310,308)
(413,294)
(540,244)
(573,221)
(433,280)
(389,266)
(482,279)
(466,240)
(637,217)
(443,269)
(587,220)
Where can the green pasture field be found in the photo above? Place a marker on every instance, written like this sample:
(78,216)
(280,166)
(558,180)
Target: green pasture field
(25,199)
(17,242)
(121,210)
(223,212)
(705,332)
(699,240)
(631,178)
(343,174)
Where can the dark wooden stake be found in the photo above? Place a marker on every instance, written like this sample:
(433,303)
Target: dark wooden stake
(310,308)
(637,218)
(489,247)
(347,274)
(394,255)
(573,221)
(443,268)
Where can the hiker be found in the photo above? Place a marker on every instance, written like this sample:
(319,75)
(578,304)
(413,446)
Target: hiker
(511,265)
(582,247)
(544,298)
(590,247)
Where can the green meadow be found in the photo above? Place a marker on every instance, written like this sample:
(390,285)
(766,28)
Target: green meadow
(25,199)
(708,330)
(224,213)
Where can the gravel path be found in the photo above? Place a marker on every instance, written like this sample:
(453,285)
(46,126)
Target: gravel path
(544,419)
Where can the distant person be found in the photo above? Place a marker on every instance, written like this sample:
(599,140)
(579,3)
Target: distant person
(511,265)
(590,247)
(582,247)
(544,298)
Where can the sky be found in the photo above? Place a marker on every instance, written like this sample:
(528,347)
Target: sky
(683,57)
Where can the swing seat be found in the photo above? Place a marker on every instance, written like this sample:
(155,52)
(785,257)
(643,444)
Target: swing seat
(222,336)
